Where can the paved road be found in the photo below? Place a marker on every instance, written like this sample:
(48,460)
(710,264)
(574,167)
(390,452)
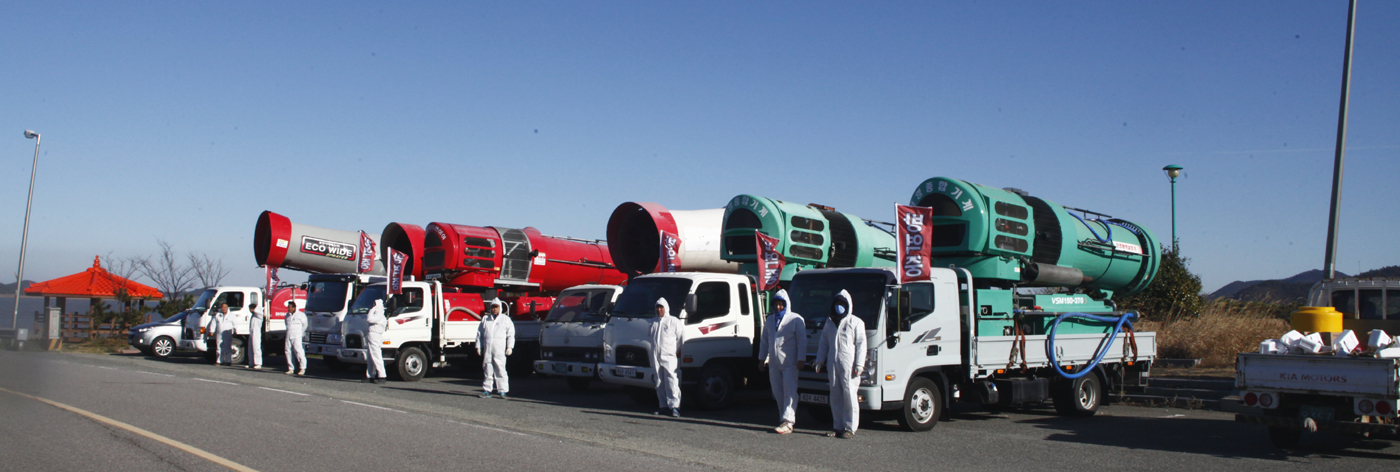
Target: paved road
(266,420)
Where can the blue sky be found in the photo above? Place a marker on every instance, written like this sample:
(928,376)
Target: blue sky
(184,120)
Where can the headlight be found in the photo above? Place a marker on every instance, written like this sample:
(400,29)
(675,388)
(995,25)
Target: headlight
(333,339)
(592,356)
(608,353)
(142,330)
(547,354)
(867,376)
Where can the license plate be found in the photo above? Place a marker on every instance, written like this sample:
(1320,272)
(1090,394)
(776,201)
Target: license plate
(625,372)
(1317,412)
(561,368)
(812,398)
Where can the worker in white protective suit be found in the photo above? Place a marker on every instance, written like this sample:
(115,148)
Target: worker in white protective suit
(374,339)
(255,330)
(667,335)
(296,352)
(495,339)
(222,325)
(783,351)
(843,348)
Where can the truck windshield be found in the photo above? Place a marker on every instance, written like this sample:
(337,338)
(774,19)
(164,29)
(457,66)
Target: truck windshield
(579,306)
(638,300)
(366,299)
(202,304)
(812,296)
(326,296)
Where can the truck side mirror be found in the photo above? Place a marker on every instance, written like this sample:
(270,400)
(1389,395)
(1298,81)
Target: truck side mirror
(689,306)
(904,310)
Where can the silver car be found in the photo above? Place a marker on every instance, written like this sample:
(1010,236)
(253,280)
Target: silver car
(160,338)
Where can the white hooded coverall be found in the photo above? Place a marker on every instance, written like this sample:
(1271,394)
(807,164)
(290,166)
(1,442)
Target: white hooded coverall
(296,352)
(784,343)
(495,339)
(255,330)
(842,349)
(667,335)
(223,337)
(374,340)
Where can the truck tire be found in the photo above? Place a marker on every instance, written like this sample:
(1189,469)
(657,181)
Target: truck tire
(411,365)
(162,347)
(579,384)
(240,355)
(715,390)
(1285,438)
(334,364)
(923,405)
(1077,397)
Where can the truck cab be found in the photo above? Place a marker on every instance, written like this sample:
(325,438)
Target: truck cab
(198,335)
(328,298)
(571,338)
(428,324)
(723,318)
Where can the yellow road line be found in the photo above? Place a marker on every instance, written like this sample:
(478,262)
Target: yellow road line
(171,442)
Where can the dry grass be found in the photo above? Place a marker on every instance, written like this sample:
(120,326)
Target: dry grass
(1223,329)
(98,346)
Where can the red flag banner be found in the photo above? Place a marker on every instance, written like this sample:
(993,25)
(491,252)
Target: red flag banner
(396,263)
(366,253)
(914,234)
(770,261)
(670,258)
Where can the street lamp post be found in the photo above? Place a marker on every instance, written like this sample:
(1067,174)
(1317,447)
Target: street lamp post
(24,240)
(1173,171)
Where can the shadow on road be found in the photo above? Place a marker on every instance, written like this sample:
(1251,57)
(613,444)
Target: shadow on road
(1216,437)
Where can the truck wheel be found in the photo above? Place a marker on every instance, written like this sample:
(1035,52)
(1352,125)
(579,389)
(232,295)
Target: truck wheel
(643,396)
(1285,438)
(716,389)
(1078,397)
(240,355)
(411,365)
(162,347)
(820,413)
(579,384)
(334,364)
(923,405)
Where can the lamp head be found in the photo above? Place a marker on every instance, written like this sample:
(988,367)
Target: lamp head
(30,134)
(1172,171)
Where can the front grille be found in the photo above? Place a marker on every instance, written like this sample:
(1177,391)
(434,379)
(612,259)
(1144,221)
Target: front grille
(353,341)
(572,354)
(633,356)
(318,338)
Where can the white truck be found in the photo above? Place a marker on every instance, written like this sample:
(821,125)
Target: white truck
(571,339)
(328,298)
(196,334)
(925,350)
(428,325)
(1355,395)
(723,318)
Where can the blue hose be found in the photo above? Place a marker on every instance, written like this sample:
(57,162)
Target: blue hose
(1101,239)
(1117,328)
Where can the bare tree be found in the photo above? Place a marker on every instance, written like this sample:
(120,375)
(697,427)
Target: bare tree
(168,272)
(207,270)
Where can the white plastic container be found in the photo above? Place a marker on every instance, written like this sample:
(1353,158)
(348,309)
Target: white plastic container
(1273,346)
(1310,344)
(1379,340)
(1344,343)
(1291,338)
(1389,353)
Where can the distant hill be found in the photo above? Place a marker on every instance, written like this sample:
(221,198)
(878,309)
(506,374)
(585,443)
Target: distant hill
(1291,289)
(10,288)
